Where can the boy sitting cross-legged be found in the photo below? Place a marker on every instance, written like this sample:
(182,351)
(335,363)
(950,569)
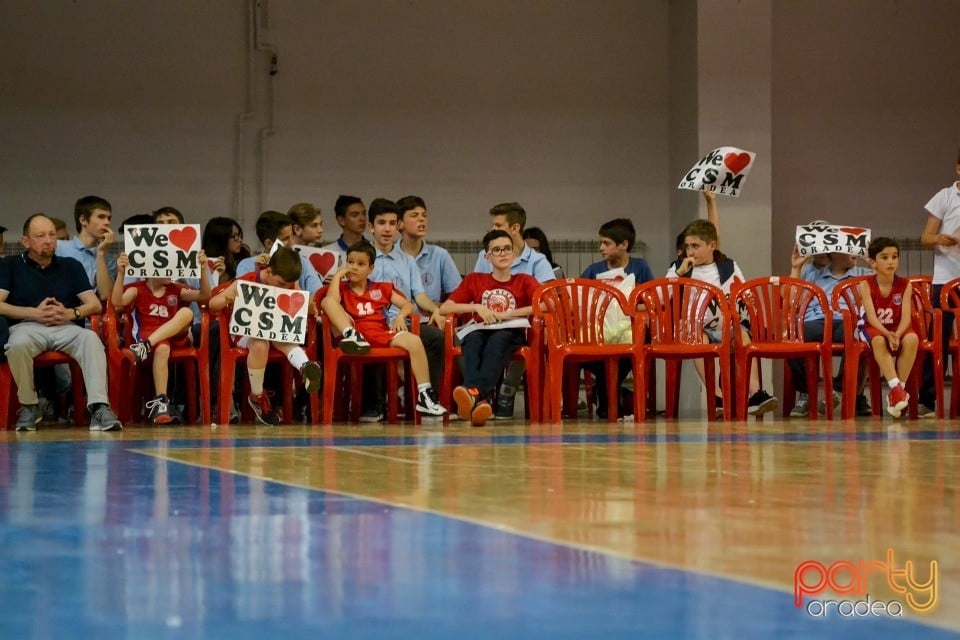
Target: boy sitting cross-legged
(161,320)
(282,270)
(357,307)
(491,298)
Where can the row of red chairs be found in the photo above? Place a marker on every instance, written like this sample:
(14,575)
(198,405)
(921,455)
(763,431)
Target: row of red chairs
(566,330)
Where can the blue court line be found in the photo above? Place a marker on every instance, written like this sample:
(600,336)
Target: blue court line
(100,541)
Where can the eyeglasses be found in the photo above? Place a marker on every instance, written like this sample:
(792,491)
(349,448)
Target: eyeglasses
(500,251)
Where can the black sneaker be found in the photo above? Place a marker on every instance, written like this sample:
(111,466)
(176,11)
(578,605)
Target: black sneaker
(429,404)
(263,409)
(312,375)
(159,410)
(505,402)
(863,407)
(104,419)
(141,351)
(761,402)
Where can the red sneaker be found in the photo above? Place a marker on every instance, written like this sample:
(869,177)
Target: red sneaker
(897,400)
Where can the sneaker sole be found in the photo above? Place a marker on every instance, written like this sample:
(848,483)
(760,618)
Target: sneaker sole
(480,414)
(897,409)
(353,349)
(770,404)
(107,427)
(440,411)
(464,401)
(312,377)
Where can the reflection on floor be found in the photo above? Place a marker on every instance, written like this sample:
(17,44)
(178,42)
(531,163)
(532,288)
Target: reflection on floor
(669,529)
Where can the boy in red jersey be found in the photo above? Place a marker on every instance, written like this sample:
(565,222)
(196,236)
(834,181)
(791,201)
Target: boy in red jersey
(161,320)
(491,298)
(281,270)
(357,309)
(886,320)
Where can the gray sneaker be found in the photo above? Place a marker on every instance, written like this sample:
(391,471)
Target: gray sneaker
(822,405)
(29,417)
(104,419)
(802,408)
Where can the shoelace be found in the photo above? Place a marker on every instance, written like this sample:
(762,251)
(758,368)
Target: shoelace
(157,402)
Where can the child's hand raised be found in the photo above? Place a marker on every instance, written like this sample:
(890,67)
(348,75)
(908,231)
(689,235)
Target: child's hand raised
(123,262)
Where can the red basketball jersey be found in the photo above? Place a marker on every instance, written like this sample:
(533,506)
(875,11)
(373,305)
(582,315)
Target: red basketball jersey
(150,311)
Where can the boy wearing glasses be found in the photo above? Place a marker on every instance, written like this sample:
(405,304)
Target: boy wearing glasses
(491,298)
(512,218)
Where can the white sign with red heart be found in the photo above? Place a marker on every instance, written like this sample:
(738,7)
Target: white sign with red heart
(325,261)
(723,170)
(813,239)
(269,313)
(162,250)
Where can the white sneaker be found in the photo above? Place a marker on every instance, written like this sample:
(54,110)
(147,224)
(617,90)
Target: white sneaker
(429,403)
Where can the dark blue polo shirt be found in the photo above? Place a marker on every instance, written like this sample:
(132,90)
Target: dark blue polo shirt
(28,284)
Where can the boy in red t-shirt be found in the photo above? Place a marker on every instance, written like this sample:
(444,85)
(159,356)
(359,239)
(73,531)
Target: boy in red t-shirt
(357,309)
(282,270)
(491,298)
(886,320)
(161,320)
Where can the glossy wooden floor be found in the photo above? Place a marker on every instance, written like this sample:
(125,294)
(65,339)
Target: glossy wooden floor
(669,529)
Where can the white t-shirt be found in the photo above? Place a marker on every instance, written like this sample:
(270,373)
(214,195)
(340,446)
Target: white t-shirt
(945,206)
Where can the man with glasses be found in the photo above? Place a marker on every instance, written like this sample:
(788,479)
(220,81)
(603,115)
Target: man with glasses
(512,218)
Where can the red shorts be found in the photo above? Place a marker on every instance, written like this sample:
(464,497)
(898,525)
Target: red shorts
(376,334)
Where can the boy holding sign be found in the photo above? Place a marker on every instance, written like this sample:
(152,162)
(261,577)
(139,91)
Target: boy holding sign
(357,309)
(282,271)
(704,262)
(162,318)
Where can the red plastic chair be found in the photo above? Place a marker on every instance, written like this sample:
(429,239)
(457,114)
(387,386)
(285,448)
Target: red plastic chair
(573,311)
(775,307)
(950,301)
(336,362)
(531,354)
(9,404)
(231,354)
(125,382)
(846,301)
(926,322)
(675,313)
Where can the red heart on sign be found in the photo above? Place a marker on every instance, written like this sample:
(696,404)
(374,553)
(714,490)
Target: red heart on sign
(183,238)
(290,303)
(854,231)
(212,264)
(323,262)
(736,162)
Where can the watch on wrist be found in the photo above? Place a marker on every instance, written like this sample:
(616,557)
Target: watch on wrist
(76,312)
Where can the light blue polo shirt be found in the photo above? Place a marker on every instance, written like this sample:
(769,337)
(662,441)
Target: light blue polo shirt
(824,279)
(87,257)
(309,280)
(437,271)
(533,263)
(399,269)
